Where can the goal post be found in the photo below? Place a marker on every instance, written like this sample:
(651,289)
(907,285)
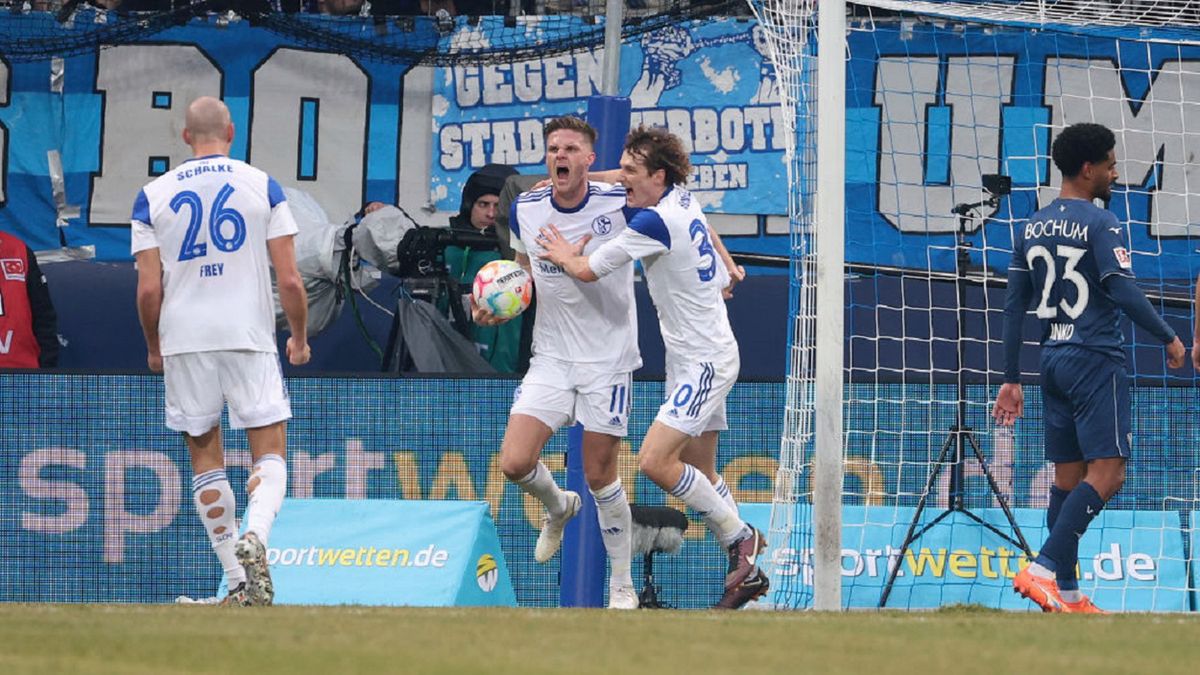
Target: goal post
(918,146)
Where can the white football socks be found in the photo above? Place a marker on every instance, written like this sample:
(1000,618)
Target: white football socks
(213,497)
(697,492)
(540,483)
(267,486)
(616,528)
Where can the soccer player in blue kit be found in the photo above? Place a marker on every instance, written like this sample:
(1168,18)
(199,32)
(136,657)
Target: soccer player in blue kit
(1070,259)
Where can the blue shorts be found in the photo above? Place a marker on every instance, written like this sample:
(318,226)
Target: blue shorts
(1087,410)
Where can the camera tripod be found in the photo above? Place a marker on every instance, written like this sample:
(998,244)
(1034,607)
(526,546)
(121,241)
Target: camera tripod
(961,442)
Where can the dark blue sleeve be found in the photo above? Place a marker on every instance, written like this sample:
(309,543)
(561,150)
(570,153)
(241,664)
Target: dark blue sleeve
(274,192)
(647,222)
(514,225)
(1016,302)
(1130,298)
(141,209)
(1108,246)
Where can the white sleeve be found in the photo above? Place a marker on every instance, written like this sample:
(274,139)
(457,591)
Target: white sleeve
(141,236)
(518,246)
(609,257)
(282,223)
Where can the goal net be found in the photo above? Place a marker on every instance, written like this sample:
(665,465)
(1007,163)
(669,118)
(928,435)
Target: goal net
(950,109)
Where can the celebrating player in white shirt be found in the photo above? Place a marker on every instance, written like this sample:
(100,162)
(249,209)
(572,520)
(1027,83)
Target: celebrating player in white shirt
(686,276)
(204,235)
(584,354)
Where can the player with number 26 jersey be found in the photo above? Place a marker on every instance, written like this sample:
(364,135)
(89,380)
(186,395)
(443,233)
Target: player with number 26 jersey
(214,202)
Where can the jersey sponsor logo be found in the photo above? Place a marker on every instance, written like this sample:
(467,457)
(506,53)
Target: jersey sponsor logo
(602,225)
(549,269)
(14,269)
(1122,257)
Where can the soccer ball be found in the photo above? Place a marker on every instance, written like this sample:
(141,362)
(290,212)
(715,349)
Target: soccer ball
(503,287)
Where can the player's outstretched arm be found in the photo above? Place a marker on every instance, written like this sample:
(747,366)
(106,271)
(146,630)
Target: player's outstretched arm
(149,303)
(292,297)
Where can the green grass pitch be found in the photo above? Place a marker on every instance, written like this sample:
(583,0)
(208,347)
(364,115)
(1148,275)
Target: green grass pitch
(203,639)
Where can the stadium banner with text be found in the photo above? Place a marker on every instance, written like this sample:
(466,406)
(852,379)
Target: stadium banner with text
(79,137)
(387,552)
(1128,560)
(711,83)
(99,506)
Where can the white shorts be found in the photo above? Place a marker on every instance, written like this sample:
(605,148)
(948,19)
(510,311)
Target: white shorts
(558,393)
(199,384)
(696,393)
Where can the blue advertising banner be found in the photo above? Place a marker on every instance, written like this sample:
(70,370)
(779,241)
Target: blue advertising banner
(931,108)
(1128,560)
(387,552)
(711,83)
(99,507)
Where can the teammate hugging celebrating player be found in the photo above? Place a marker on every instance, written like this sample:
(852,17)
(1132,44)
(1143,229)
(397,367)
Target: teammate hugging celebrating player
(685,274)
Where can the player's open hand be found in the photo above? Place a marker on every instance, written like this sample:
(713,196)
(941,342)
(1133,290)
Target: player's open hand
(1176,353)
(558,249)
(1196,355)
(298,351)
(483,316)
(1010,404)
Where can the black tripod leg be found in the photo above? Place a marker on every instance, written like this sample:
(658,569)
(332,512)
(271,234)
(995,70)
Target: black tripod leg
(987,472)
(648,598)
(910,537)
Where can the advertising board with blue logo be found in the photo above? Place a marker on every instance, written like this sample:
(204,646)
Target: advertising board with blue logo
(99,507)
(387,552)
(1128,560)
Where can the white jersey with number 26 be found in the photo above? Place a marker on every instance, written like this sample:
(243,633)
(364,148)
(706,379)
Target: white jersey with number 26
(684,272)
(210,218)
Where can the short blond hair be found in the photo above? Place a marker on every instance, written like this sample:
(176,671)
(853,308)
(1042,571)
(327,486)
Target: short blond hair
(570,123)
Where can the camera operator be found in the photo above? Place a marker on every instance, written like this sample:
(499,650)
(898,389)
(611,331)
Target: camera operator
(477,214)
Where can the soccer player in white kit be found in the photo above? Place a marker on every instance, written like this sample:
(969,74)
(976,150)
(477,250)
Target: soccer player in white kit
(685,274)
(584,354)
(205,235)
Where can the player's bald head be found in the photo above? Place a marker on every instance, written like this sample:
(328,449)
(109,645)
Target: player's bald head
(207,120)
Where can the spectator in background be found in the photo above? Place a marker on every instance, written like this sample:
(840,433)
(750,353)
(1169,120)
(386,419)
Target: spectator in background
(514,185)
(28,324)
(478,212)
